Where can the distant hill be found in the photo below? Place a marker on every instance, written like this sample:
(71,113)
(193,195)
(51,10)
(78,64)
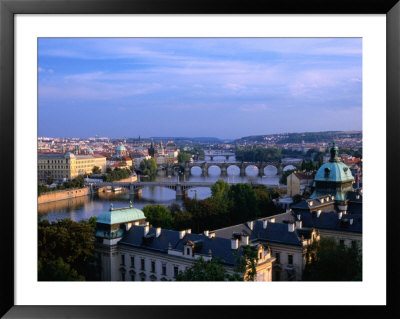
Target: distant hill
(193,139)
(296,138)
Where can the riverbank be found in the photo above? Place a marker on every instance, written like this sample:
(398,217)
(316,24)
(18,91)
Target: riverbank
(63,194)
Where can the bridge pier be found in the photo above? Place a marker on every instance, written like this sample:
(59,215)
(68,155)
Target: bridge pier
(180,192)
(224,171)
(135,192)
(261,171)
(242,170)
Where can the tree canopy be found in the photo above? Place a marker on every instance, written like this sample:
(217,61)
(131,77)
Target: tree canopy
(328,260)
(148,167)
(158,216)
(65,249)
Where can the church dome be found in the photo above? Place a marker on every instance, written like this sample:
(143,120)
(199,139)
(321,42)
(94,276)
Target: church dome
(334,171)
(121,148)
(120,216)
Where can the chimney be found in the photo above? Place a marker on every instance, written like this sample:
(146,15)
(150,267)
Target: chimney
(265,223)
(291,227)
(188,231)
(182,234)
(340,215)
(206,232)
(250,225)
(234,243)
(145,230)
(299,224)
(245,240)
(158,231)
(319,212)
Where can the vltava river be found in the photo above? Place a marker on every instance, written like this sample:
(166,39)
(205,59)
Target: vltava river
(87,206)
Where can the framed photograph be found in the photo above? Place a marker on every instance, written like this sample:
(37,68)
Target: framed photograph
(64,70)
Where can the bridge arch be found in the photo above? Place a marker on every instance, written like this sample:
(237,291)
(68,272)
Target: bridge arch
(270,170)
(213,168)
(288,167)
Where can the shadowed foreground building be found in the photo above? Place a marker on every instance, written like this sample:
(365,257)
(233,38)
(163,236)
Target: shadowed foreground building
(128,249)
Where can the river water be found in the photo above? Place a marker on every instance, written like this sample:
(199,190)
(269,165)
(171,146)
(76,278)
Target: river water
(93,205)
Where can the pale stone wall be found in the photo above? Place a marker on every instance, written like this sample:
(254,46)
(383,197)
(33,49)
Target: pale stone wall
(63,194)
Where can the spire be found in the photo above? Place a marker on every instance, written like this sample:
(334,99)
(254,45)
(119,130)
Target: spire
(334,153)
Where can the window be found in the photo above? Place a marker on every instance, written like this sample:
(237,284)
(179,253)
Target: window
(132,262)
(122,259)
(153,266)
(187,251)
(122,275)
(164,269)
(176,270)
(290,259)
(278,258)
(260,257)
(142,264)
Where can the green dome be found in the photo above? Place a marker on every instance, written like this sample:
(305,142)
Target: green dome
(120,216)
(121,148)
(334,172)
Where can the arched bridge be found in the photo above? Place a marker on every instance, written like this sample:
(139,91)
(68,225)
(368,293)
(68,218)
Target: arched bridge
(171,169)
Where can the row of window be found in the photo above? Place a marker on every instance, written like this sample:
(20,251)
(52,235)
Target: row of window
(152,265)
(278,258)
(53,166)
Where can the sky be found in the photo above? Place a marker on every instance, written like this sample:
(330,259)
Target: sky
(198,87)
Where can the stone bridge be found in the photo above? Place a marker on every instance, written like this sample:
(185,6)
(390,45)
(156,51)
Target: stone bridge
(211,156)
(171,169)
(135,188)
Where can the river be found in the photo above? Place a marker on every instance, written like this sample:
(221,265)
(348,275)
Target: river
(93,205)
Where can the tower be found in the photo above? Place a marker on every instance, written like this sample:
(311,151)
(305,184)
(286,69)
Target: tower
(334,178)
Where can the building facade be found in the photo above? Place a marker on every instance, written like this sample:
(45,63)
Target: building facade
(128,249)
(61,167)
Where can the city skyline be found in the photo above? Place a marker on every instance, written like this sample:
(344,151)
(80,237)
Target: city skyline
(198,87)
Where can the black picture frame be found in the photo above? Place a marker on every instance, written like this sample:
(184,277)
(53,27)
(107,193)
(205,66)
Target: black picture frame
(8,8)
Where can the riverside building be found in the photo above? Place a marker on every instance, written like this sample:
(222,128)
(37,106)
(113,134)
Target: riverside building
(62,167)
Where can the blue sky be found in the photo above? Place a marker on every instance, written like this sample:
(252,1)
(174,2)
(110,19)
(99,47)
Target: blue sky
(221,87)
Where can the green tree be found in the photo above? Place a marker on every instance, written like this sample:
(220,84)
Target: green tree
(246,263)
(243,203)
(184,157)
(328,260)
(158,216)
(71,241)
(148,167)
(210,270)
(58,270)
(96,170)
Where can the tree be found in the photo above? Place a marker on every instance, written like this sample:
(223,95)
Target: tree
(246,259)
(71,241)
(158,216)
(184,157)
(210,270)
(96,170)
(328,260)
(148,167)
(243,203)
(58,270)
